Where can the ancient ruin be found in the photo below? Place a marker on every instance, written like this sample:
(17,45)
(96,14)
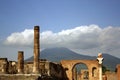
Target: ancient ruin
(36,50)
(20,62)
(41,69)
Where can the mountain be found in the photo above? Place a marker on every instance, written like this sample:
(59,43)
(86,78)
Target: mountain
(57,54)
(110,61)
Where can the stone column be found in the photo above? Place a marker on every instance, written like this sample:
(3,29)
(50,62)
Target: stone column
(20,62)
(36,50)
(100,59)
(118,72)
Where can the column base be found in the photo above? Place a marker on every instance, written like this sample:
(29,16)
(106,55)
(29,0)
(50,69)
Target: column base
(35,70)
(20,71)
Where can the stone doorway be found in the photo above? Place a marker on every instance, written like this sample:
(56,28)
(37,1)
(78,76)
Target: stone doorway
(80,72)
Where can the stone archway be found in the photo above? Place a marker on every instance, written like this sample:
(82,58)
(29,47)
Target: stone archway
(91,64)
(80,72)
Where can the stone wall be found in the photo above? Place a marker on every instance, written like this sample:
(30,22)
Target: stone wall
(3,65)
(56,70)
(111,75)
(12,67)
(47,69)
(19,77)
(28,67)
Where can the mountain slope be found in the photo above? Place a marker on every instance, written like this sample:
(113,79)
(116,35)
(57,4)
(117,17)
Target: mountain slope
(110,61)
(57,54)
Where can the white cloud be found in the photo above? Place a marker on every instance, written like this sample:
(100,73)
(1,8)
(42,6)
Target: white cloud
(83,38)
(24,38)
(109,38)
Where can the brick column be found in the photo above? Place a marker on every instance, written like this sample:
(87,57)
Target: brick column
(36,50)
(20,62)
(118,72)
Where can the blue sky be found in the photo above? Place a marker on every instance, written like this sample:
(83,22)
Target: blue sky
(56,15)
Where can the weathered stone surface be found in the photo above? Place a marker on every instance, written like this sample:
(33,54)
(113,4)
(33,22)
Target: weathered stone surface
(20,62)
(118,71)
(19,77)
(36,50)
(69,64)
(111,76)
(3,65)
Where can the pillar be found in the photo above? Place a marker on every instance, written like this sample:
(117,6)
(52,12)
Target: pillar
(20,62)
(36,50)
(100,59)
(118,72)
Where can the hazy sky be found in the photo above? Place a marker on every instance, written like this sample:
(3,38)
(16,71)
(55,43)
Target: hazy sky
(85,26)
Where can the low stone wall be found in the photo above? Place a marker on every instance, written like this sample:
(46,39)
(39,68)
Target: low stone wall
(28,77)
(19,77)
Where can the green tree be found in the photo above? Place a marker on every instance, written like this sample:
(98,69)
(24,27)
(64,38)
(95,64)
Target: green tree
(104,69)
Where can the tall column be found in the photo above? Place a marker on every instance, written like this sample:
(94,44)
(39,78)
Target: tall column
(36,50)
(20,62)
(118,72)
(100,72)
(100,59)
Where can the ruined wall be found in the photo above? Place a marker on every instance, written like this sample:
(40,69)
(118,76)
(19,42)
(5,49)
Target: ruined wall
(111,75)
(12,67)
(28,67)
(46,68)
(7,67)
(3,65)
(56,70)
